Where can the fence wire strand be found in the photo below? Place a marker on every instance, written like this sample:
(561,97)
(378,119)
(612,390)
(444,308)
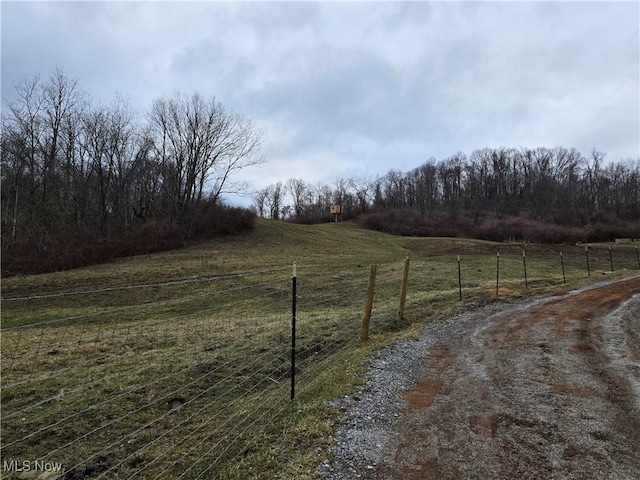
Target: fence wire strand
(226,361)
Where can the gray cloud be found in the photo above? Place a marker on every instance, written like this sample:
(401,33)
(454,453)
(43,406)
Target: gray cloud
(357,88)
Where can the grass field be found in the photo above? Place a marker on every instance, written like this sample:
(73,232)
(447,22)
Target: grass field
(177,365)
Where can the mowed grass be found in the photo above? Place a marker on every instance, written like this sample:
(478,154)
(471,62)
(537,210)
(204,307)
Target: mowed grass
(178,364)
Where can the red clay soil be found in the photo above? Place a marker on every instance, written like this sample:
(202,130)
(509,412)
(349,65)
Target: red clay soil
(548,390)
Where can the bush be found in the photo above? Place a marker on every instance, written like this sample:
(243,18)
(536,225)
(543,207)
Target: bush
(211,220)
(408,222)
(607,233)
(215,219)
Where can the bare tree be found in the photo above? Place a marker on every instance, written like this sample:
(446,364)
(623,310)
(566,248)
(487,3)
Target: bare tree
(202,147)
(300,195)
(363,189)
(426,188)
(34,136)
(323,199)
(275,196)
(260,200)
(61,98)
(109,149)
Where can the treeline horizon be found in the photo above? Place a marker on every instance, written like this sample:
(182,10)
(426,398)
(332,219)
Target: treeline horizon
(530,194)
(83,183)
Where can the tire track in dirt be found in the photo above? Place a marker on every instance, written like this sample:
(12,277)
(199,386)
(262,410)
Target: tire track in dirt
(545,389)
(531,394)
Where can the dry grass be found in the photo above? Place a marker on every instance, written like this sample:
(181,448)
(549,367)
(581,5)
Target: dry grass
(178,363)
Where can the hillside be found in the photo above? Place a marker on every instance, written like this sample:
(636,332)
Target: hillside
(271,244)
(185,356)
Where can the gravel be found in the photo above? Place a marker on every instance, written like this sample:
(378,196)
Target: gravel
(367,431)
(536,388)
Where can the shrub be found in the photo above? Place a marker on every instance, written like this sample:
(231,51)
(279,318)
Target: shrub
(211,220)
(485,227)
(215,219)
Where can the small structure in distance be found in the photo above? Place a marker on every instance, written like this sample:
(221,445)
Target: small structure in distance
(336,213)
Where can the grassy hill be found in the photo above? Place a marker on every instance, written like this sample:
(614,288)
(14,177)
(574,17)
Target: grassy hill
(270,244)
(177,363)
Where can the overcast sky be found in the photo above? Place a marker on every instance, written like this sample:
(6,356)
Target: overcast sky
(356,88)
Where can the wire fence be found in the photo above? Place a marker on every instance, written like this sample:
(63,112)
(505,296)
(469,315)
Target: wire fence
(188,378)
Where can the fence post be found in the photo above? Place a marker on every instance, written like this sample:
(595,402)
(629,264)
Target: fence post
(638,257)
(403,289)
(497,272)
(459,279)
(586,251)
(611,259)
(364,327)
(524,261)
(293,331)
(564,278)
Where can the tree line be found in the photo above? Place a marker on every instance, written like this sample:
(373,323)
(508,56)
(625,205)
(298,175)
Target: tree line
(557,187)
(74,171)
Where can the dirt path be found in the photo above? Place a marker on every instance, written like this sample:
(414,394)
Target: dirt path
(546,389)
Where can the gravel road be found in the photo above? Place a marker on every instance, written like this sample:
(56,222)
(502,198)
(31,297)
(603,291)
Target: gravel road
(545,388)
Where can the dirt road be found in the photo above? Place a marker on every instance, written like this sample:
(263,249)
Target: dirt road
(542,389)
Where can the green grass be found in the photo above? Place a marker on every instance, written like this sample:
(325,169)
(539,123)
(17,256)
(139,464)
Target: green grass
(173,363)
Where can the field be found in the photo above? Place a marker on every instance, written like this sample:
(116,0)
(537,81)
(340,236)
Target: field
(177,365)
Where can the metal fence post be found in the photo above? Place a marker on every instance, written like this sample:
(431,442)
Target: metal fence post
(497,273)
(524,261)
(586,251)
(564,278)
(611,259)
(459,279)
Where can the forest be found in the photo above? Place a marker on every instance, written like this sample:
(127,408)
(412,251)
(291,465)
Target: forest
(83,183)
(530,194)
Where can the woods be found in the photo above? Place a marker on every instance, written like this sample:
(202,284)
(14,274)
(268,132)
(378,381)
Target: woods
(75,173)
(541,194)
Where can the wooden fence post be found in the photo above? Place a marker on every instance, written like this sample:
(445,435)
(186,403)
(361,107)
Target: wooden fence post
(368,306)
(403,289)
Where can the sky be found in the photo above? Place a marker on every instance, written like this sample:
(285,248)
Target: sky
(354,89)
